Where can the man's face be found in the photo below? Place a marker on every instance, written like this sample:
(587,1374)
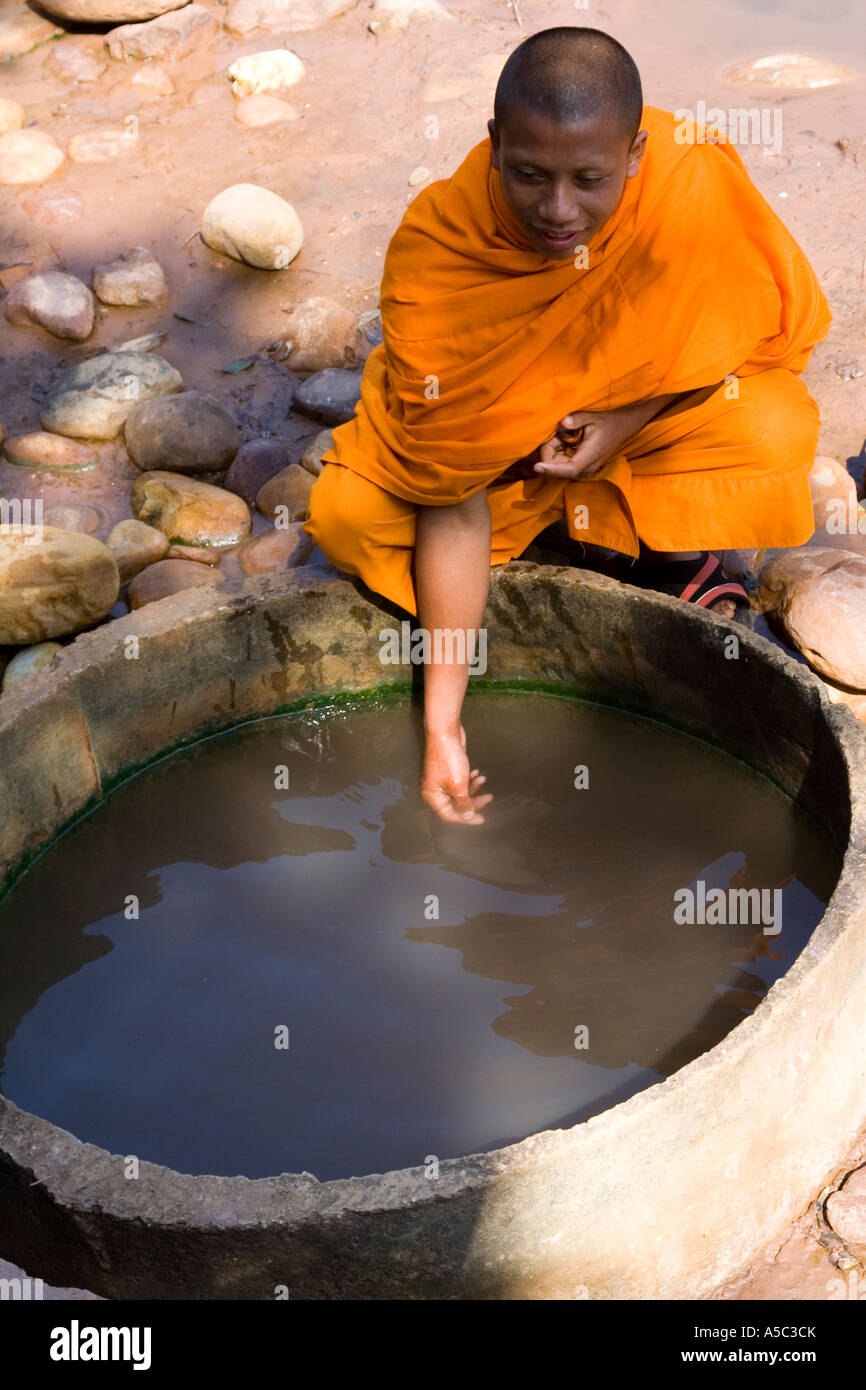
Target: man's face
(562,182)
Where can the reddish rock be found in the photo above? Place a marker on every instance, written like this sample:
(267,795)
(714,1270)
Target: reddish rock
(318,330)
(781,573)
(282,548)
(290,490)
(53,452)
(52,300)
(168,577)
(825,618)
(202,554)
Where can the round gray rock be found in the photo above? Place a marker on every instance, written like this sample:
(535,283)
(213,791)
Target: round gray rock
(256,463)
(186,433)
(331,395)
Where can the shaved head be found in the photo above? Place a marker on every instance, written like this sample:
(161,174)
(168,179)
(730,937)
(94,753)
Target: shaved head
(571,75)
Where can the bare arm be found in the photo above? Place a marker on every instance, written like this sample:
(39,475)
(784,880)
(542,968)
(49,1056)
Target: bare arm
(452,572)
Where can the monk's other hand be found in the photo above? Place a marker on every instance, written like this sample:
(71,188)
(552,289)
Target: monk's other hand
(448,785)
(604,432)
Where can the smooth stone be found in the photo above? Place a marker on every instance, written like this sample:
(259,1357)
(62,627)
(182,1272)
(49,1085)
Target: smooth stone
(256,462)
(109,11)
(135,545)
(399,14)
(265,72)
(169,37)
(52,300)
(311,458)
(824,617)
(168,577)
(282,548)
(54,206)
(57,584)
(829,481)
(318,330)
(52,452)
(200,553)
(840,522)
(102,146)
(21,29)
(366,336)
(28,156)
(75,61)
(83,519)
(186,433)
(783,571)
(290,490)
(418,176)
(29,662)
(92,399)
(792,71)
(190,512)
(253,225)
(11,115)
(133,278)
(330,396)
(263,110)
(283,16)
(153,79)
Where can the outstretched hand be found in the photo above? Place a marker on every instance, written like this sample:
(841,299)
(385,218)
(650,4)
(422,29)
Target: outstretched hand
(448,784)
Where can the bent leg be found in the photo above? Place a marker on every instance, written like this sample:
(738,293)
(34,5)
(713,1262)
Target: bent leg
(368,532)
(738,478)
(365,531)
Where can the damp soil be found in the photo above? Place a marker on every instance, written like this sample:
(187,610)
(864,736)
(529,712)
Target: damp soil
(264,953)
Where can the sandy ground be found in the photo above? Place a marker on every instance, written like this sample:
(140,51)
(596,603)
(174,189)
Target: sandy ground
(362,128)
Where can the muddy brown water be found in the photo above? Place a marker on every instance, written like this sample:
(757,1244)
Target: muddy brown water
(323,977)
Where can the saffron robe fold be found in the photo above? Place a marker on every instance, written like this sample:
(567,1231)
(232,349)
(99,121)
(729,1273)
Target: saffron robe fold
(487,343)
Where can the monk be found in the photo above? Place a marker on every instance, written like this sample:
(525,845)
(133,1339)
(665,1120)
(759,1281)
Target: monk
(596,323)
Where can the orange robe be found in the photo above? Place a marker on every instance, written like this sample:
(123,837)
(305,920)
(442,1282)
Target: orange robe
(693,283)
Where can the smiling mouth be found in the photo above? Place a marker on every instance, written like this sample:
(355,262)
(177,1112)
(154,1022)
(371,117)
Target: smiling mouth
(557,238)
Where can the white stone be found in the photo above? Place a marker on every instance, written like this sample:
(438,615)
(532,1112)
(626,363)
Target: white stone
(254,225)
(270,71)
(28,156)
(399,14)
